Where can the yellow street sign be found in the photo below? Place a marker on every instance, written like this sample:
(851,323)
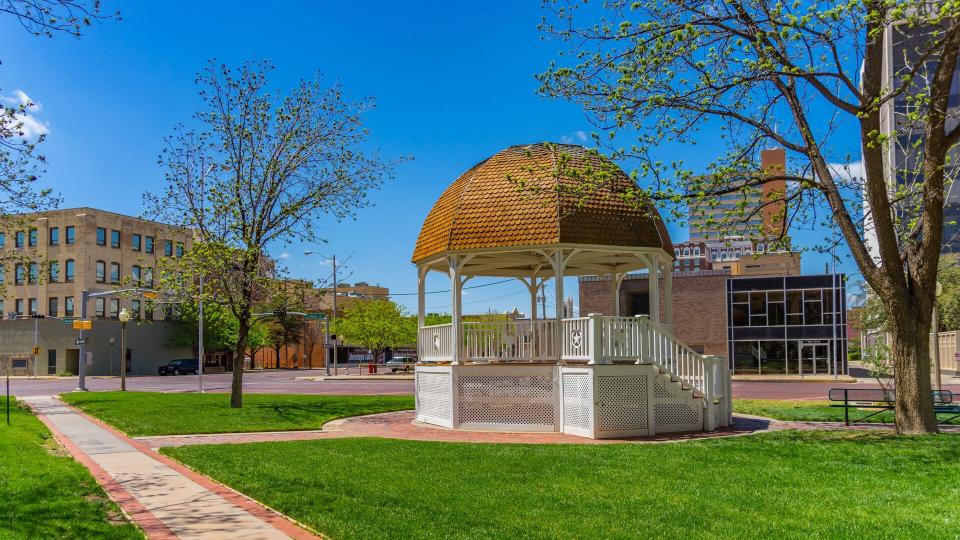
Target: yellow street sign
(82,325)
(150,295)
(36,351)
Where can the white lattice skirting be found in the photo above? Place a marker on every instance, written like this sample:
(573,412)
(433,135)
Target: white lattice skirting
(590,401)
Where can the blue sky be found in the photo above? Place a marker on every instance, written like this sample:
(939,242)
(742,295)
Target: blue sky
(453,84)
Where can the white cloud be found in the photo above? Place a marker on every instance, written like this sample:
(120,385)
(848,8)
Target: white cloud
(848,171)
(284,256)
(576,136)
(30,125)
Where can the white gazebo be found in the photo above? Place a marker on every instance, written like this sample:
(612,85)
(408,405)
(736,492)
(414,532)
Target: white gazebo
(546,211)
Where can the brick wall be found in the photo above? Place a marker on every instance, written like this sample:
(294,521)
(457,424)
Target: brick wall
(699,307)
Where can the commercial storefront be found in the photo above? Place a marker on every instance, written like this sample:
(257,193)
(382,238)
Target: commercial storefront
(787,325)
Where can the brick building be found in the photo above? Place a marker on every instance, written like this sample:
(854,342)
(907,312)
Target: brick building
(699,305)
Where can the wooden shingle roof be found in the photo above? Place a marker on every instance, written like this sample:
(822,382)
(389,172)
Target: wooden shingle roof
(533,195)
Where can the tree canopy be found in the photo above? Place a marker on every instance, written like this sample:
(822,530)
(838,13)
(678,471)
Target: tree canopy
(801,76)
(377,325)
(258,169)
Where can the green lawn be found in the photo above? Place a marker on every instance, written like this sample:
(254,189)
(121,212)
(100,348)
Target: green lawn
(776,485)
(810,411)
(45,493)
(146,413)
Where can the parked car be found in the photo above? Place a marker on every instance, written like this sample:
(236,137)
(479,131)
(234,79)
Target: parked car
(400,363)
(185,366)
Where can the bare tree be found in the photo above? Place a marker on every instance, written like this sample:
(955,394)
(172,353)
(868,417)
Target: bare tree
(259,171)
(763,72)
(49,17)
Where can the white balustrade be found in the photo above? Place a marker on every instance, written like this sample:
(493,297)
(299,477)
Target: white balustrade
(435,343)
(576,339)
(595,339)
(509,340)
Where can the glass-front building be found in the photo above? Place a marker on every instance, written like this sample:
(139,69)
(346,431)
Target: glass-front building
(793,325)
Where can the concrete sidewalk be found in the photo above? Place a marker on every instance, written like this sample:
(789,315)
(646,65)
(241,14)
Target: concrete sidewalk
(164,498)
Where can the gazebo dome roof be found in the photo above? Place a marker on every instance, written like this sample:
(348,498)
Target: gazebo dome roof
(538,195)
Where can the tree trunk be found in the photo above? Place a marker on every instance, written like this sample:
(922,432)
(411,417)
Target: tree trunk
(236,387)
(911,373)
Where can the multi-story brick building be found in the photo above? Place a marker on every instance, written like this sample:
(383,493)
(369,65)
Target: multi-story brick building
(71,250)
(50,258)
(720,220)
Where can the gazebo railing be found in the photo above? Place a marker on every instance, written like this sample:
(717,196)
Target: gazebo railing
(509,340)
(435,343)
(596,339)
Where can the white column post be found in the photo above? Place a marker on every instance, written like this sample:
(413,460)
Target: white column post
(456,287)
(653,264)
(615,281)
(421,295)
(532,289)
(668,295)
(595,345)
(558,268)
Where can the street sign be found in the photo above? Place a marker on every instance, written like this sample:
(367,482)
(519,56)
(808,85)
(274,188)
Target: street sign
(316,316)
(80,341)
(82,325)
(150,295)
(67,320)
(36,351)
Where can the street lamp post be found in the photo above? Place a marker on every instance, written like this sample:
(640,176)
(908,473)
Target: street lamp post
(124,316)
(936,337)
(111,341)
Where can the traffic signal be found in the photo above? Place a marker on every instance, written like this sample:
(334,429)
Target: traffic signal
(280,313)
(38,316)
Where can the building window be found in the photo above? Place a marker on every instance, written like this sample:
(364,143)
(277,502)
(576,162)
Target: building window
(135,309)
(71,234)
(33,275)
(19,274)
(32,239)
(55,236)
(18,306)
(168,248)
(3,240)
(179,249)
(148,276)
(98,307)
(114,308)
(148,247)
(696,251)
(101,272)
(68,306)
(115,239)
(33,306)
(114,272)
(3,279)
(53,272)
(101,236)
(135,241)
(53,306)
(68,277)
(135,274)
(20,238)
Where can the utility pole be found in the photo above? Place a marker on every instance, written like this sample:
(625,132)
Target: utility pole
(336,348)
(200,339)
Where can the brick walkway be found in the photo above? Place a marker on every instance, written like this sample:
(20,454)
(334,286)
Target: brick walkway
(164,498)
(400,425)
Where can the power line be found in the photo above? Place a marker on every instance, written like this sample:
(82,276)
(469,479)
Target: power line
(440,292)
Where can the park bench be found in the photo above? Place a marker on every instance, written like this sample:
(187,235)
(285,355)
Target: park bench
(885,400)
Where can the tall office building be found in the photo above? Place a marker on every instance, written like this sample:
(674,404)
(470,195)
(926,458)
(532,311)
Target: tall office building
(903,44)
(717,222)
(83,248)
